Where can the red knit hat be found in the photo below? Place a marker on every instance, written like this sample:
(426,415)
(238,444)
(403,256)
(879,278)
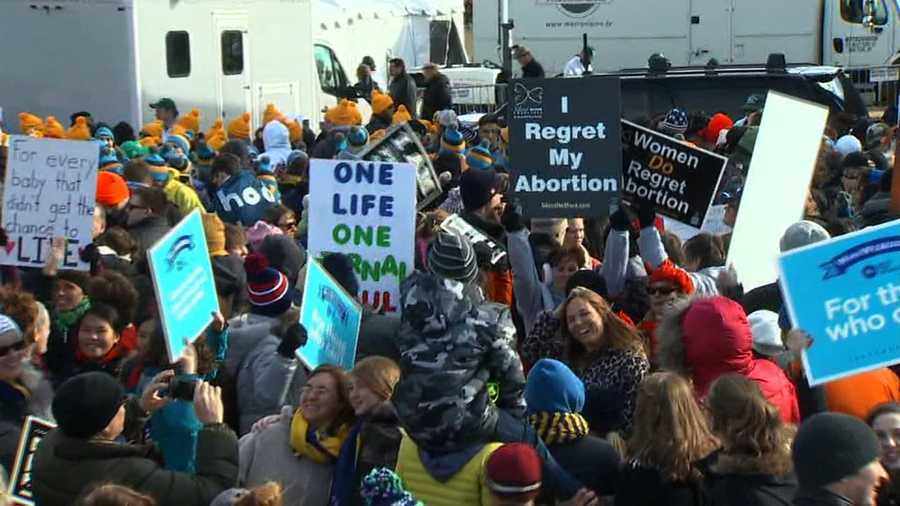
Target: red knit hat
(716,124)
(112,190)
(671,273)
(267,288)
(514,472)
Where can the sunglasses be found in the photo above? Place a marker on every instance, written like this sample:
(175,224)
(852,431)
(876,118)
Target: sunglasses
(660,290)
(18,346)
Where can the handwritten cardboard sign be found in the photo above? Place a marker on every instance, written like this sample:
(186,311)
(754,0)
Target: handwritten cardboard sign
(48,192)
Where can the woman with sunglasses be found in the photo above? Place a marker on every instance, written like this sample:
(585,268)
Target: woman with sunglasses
(282,217)
(23,388)
(666,285)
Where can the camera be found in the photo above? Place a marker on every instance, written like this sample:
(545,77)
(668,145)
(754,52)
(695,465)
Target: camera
(180,388)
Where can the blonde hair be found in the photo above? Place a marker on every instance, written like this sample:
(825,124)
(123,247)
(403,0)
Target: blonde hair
(617,334)
(379,374)
(670,432)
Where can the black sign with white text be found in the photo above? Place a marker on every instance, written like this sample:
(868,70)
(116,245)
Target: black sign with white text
(564,145)
(401,145)
(33,431)
(679,179)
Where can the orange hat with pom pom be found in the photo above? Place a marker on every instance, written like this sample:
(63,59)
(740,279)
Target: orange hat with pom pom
(272,114)
(150,142)
(153,129)
(381,102)
(401,116)
(80,131)
(53,129)
(190,121)
(29,122)
(217,140)
(295,129)
(344,114)
(218,125)
(671,273)
(239,128)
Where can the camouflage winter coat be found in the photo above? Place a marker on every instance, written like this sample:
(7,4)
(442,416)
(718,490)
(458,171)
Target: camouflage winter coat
(452,344)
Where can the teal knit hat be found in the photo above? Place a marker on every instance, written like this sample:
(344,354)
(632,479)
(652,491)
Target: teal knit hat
(382,487)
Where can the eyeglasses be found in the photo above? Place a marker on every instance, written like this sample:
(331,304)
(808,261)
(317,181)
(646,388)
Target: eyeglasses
(18,346)
(660,290)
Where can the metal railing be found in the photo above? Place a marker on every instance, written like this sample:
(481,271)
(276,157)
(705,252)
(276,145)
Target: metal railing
(877,85)
(478,98)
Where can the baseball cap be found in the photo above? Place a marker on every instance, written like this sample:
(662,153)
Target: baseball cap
(164,103)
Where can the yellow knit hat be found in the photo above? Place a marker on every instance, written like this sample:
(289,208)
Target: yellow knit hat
(53,129)
(295,129)
(219,124)
(401,116)
(190,121)
(29,122)
(381,102)
(344,114)
(180,130)
(271,114)
(217,140)
(153,129)
(149,141)
(239,128)
(79,131)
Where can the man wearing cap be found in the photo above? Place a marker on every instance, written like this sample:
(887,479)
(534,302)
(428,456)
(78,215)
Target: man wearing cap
(436,96)
(93,413)
(167,113)
(530,66)
(836,459)
(754,104)
(580,64)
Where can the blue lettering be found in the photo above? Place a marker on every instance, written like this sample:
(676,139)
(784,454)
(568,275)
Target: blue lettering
(386,207)
(386,174)
(343,172)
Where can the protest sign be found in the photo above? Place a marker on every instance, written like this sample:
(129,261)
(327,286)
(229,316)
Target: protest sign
(790,135)
(454,223)
(565,145)
(49,191)
(845,293)
(183,281)
(401,145)
(332,319)
(366,210)
(33,431)
(680,180)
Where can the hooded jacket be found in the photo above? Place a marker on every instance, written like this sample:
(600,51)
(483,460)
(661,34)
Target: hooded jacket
(707,337)
(452,344)
(277,142)
(733,480)
(242,199)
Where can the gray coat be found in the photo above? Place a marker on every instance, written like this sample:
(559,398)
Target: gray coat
(265,380)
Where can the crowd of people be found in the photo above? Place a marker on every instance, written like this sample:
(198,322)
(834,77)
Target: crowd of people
(596,360)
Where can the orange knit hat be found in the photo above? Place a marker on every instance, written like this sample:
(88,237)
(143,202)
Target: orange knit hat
(153,129)
(401,116)
(217,125)
(381,102)
(239,128)
(217,140)
(344,114)
(53,129)
(295,129)
(112,190)
(190,121)
(79,131)
(29,122)
(271,114)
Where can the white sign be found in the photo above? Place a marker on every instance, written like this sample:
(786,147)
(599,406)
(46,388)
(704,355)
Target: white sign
(49,192)
(884,74)
(781,168)
(366,210)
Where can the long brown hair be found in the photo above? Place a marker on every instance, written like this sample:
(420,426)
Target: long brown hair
(617,335)
(345,416)
(670,430)
(748,425)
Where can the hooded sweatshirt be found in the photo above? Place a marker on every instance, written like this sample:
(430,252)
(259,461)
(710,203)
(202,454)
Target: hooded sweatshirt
(277,141)
(242,199)
(708,337)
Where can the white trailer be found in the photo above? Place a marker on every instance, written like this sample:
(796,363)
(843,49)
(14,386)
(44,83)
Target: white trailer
(114,57)
(624,33)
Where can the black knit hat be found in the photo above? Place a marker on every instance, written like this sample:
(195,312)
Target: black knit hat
(477,187)
(832,446)
(451,256)
(85,404)
(78,278)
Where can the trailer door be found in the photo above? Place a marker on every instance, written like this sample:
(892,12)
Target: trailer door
(710,22)
(233,92)
(854,45)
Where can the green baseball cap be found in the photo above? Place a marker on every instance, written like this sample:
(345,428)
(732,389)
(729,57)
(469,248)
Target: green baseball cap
(754,103)
(164,103)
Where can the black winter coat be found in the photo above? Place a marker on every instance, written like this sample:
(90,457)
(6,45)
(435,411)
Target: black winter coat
(591,460)
(436,96)
(645,486)
(403,91)
(743,481)
(820,498)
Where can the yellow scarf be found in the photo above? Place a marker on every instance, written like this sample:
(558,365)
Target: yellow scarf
(559,427)
(318,446)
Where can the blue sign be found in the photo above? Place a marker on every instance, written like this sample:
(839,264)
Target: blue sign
(332,319)
(845,293)
(184,284)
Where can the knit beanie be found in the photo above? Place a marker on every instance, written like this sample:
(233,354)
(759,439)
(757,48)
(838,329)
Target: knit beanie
(217,126)
(9,326)
(181,141)
(766,332)
(110,162)
(295,131)
(267,288)
(53,129)
(271,114)
(714,127)
(239,128)
(104,133)
(675,122)
(803,233)
(553,388)
(357,139)
(284,255)
(479,157)
(85,404)
(451,256)
(112,190)
(150,142)
(29,122)
(452,142)
(153,129)
(80,131)
(204,153)
(847,144)
(214,230)
(447,118)
(401,115)
(831,446)
(77,278)
(670,273)
(344,113)
(477,187)
(381,102)
(159,171)
(514,472)
(382,487)
(190,121)
(134,149)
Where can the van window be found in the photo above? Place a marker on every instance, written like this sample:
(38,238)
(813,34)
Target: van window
(853,11)
(178,54)
(232,52)
(331,75)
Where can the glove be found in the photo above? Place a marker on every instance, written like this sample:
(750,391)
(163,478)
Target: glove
(512,218)
(91,254)
(294,337)
(646,213)
(621,219)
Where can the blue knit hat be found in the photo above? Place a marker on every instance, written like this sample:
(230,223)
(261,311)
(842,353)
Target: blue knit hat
(357,138)
(452,142)
(110,162)
(675,122)
(158,169)
(204,153)
(104,133)
(553,388)
(264,165)
(480,157)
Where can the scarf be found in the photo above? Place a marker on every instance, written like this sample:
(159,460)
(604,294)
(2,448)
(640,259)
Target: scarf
(344,482)
(316,445)
(555,428)
(65,319)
